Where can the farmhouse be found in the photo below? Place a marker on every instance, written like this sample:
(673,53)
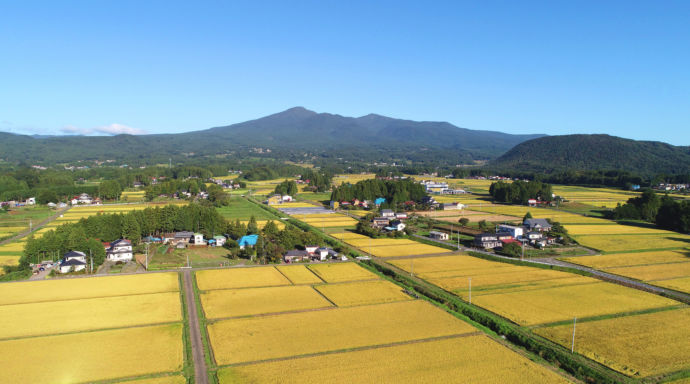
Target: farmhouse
(274,199)
(199,239)
(73,261)
(395,225)
(119,250)
(487,241)
(81,199)
(219,240)
(438,235)
(387,213)
(183,237)
(248,241)
(514,231)
(540,225)
(296,255)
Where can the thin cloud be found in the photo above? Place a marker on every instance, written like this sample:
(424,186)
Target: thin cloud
(111,129)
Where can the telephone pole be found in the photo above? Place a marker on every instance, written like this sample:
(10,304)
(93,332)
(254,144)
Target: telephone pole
(572,345)
(470,290)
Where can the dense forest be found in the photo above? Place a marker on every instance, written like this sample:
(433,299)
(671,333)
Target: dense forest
(664,211)
(394,191)
(519,192)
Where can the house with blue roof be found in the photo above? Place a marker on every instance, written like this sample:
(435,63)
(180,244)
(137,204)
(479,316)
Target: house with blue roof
(248,241)
(379,201)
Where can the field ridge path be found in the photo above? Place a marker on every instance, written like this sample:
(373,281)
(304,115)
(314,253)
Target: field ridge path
(200,373)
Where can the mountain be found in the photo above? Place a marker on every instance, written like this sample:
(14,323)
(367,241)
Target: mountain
(595,152)
(290,131)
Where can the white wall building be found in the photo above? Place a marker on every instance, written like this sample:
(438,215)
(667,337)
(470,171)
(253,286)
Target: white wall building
(73,261)
(119,250)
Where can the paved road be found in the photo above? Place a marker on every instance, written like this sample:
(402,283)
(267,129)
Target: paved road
(200,374)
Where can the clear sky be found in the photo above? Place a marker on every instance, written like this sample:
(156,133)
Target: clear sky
(555,67)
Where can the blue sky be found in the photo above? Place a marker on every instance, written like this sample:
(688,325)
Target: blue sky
(555,67)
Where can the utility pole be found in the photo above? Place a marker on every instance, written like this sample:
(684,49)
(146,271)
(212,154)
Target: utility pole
(572,345)
(91,257)
(412,267)
(31,225)
(147,257)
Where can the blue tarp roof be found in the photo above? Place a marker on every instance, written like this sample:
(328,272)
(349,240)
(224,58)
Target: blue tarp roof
(379,201)
(248,240)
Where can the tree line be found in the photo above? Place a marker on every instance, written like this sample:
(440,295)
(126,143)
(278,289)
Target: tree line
(665,212)
(519,192)
(394,191)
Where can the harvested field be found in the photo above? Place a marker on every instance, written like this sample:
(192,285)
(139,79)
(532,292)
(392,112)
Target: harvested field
(640,345)
(260,338)
(622,243)
(362,293)
(130,352)
(83,288)
(475,359)
(245,302)
(239,278)
(340,272)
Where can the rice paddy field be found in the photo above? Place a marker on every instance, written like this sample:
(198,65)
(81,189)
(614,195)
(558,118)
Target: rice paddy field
(473,359)
(138,318)
(627,243)
(327,220)
(18,219)
(243,209)
(388,247)
(354,326)
(351,178)
(526,295)
(668,269)
(132,196)
(639,346)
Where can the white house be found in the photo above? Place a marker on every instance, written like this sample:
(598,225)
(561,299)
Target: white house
(395,225)
(199,239)
(31,201)
(286,198)
(516,232)
(81,199)
(387,213)
(311,249)
(119,250)
(220,240)
(73,261)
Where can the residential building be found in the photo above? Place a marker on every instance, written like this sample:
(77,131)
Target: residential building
(119,250)
(541,225)
(379,222)
(395,225)
(401,215)
(73,261)
(199,239)
(437,235)
(296,255)
(184,237)
(387,213)
(514,231)
(248,241)
(534,236)
(487,241)
(311,249)
(219,240)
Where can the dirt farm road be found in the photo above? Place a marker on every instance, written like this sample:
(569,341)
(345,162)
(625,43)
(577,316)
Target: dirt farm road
(200,374)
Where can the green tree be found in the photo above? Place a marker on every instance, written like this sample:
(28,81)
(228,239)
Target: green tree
(528,215)
(252,226)
(47,196)
(130,229)
(464,221)
(109,190)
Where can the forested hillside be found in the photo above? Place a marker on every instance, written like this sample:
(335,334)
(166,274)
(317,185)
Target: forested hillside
(595,152)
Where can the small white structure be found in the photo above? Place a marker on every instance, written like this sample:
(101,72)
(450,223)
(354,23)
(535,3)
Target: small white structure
(62,205)
(199,239)
(119,250)
(73,261)
(516,232)
(81,199)
(286,198)
(387,213)
(52,205)
(452,206)
(395,225)
(220,240)
(437,235)
(311,249)
(31,201)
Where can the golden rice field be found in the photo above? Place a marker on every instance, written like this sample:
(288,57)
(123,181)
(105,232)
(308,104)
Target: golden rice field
(8,260)
(640,345)
(630,259)
(405,250)
(623,243)
(295,334)
(348,236)
(367,242)
(12,247)
(529,295)
(654,272)
(362,293)
(294,204)
(132,196)
(256,301)
(299,274)
(474,359)
(84,288)
(262,223)
(680,284)
(613,229)
(239,278)
(341,222)
(533,307)
(173,379)
(351,178)
(82,357)
(340,272)
(53,317)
